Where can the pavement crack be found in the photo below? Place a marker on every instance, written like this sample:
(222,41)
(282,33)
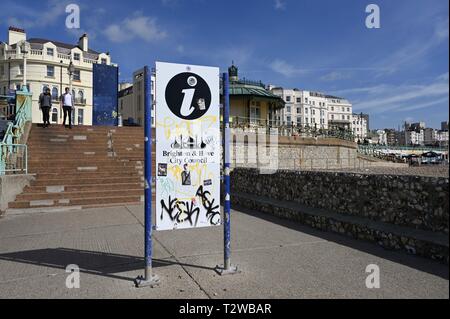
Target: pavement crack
(184,268)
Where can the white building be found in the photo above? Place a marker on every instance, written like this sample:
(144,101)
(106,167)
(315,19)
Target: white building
(132,99)
(414,137)
(47,65)
(381,137)
(360,126)
(442,137)
(340,112)
(303,108)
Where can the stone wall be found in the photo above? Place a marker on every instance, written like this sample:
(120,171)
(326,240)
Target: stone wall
(10,187)
(413,201)
(251,150)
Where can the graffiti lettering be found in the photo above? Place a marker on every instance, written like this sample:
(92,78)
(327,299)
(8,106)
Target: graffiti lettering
(212,213)
(180,212)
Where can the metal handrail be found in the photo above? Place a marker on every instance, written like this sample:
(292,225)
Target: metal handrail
(292,128)
(10,146)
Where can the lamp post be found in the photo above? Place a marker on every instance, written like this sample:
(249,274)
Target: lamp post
(71,71)
(25,49)
(9,74)
(60,88)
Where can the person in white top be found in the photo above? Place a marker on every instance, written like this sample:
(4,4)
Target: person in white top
(67,103)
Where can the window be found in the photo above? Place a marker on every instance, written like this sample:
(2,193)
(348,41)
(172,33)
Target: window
(50,52)
(299,110)
(332,116)
(348,109)
(21,69)
(2,70)
(76,56)
(80,116)
(288,120)
(76,76)
(306,100)
(254,114)
(288,99)
(55,115)
(55,93)
(50,71)
(313,112)
(288,109)
(306,110)
(104,61)
(299,100)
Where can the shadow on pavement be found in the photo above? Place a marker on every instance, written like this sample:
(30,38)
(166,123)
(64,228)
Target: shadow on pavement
(416,262)
(89,262)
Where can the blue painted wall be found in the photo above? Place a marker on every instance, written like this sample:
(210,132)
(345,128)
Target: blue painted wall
(105,94)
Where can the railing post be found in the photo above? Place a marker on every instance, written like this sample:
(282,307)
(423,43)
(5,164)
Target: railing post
(227,268)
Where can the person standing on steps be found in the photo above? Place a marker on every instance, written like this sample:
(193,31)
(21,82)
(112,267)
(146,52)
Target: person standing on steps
(67,102)
(45,104)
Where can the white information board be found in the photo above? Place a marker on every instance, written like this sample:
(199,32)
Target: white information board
(187,146)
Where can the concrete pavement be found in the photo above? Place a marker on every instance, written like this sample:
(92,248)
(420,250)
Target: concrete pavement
(278,259)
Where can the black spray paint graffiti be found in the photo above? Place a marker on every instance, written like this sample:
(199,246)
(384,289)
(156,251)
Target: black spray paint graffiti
(180,212)
(212,213)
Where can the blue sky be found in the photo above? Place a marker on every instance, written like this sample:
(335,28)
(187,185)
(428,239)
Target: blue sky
(396,73)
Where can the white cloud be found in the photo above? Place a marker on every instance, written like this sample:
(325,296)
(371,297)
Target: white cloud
(390,98)
(335,76)
(23,16)
(136,27)
(280,5)
(286,69)
(414,52)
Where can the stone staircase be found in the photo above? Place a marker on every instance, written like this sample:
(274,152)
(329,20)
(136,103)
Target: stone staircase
(83,167)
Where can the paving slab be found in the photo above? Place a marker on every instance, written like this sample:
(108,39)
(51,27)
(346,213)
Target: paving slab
(277,259)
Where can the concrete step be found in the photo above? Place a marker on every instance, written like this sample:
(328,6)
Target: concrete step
(85,166)
(87,181)
(84,175)
(77,201)
(83,188)
(99,193)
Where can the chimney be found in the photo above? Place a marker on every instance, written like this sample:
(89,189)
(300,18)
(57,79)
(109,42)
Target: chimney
(83,43)
(16,35)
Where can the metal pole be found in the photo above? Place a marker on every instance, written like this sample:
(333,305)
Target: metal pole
(9,76)
(149,278)
(227,268)
(24,83)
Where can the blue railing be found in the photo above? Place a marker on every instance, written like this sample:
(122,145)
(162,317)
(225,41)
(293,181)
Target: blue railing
(13,152)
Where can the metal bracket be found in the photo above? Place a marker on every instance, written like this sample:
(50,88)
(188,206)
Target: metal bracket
(140,282)
(233,270)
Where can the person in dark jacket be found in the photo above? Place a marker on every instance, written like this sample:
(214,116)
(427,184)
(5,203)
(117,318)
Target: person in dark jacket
(45,104)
